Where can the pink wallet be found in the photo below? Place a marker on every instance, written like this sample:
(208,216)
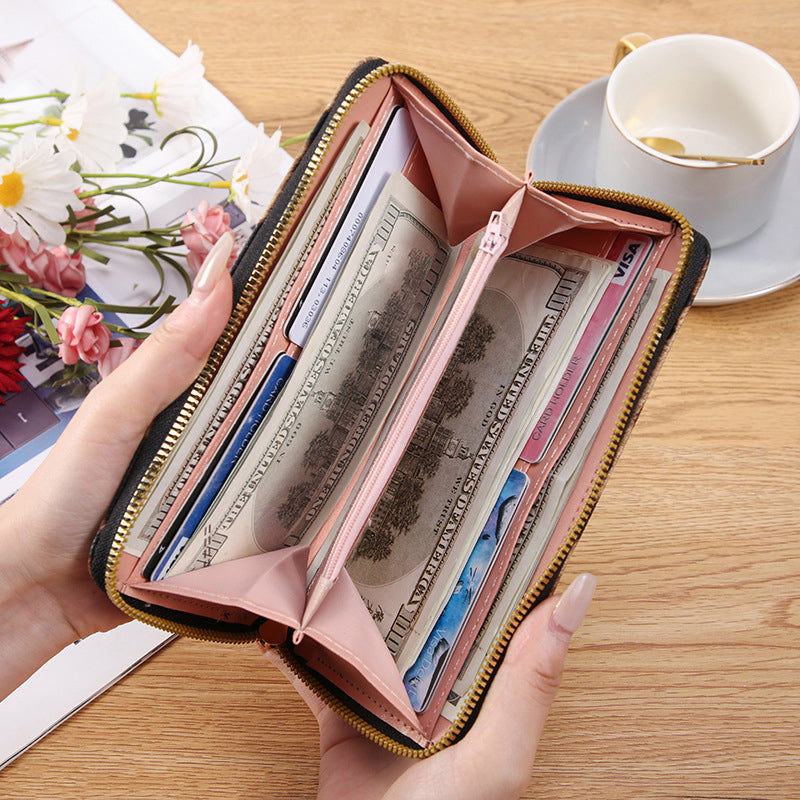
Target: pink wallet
(429,371)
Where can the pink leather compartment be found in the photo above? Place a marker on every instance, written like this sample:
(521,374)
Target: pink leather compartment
(342,637)
(470,186)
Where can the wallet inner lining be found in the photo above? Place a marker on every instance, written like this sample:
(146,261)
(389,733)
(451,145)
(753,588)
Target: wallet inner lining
(468,187)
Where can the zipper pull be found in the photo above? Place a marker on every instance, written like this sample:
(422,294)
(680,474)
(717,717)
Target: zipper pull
(501,223)
(493,238)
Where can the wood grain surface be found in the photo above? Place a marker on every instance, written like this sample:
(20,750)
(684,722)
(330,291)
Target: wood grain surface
(684,681)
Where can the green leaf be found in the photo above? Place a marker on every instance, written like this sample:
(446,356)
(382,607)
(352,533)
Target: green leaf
(153,259)
(165,308)
(91,253)
(47,323)
(13,277)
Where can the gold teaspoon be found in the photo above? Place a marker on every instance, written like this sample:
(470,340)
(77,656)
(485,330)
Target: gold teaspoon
(671,147)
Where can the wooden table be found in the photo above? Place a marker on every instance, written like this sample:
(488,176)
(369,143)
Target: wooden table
(684,682)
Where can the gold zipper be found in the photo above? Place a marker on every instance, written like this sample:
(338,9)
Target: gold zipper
(259,274)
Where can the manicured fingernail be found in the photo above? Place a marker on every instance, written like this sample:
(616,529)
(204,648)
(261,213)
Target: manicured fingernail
(574,603)
(214,265)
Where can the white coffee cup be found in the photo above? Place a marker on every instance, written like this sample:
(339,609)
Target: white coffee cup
(716,96)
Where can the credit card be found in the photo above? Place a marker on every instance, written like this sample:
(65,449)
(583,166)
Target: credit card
(422,676)
(630,254)
(390,155)
(171,547)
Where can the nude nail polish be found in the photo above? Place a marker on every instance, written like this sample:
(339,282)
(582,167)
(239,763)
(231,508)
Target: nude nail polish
(214,265)
(574,603)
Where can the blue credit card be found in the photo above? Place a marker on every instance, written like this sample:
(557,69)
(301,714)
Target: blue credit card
(422,676)
(169,550)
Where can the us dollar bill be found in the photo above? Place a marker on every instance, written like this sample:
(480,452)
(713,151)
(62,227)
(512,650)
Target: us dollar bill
(552,498)
(243,356)
(423,529)
(355,363)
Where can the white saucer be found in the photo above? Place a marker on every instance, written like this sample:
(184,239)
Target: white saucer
(565,148)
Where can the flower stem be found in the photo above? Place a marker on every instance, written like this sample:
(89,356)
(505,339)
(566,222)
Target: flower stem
(10,126)
(56,95)
(295,140)
(142,181)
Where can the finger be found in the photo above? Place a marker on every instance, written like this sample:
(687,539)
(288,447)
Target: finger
(94,450)
(516,707)
(171,358)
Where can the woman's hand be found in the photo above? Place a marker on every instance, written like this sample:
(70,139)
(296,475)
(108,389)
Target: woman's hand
(494,760)
(47,598)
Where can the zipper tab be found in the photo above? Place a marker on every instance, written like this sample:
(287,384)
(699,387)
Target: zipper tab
(494,237)
(501,223)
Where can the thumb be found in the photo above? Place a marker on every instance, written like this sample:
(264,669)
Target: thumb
(525,686)
(110,423)
(172,357)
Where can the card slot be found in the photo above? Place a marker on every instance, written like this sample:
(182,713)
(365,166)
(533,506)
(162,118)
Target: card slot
(215,466)
(634,256)
(461,648)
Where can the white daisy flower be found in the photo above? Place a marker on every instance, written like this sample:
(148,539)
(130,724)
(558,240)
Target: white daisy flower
(176,92)
(92,126)
(36,187)
(258,174)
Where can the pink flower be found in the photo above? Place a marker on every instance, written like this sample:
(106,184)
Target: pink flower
(114,356)
(83,335)
(14,251)
(201,230)
(55,269)
(65,272)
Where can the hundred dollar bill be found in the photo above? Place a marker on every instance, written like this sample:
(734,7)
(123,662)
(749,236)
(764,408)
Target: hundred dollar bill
(442,492)
(351,371)
(243,356)
(552,498)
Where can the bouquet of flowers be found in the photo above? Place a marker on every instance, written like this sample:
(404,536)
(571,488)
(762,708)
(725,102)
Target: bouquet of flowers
(61,188)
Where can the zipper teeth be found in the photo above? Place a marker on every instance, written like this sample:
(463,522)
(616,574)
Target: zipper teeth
(310,680)
(254,282)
